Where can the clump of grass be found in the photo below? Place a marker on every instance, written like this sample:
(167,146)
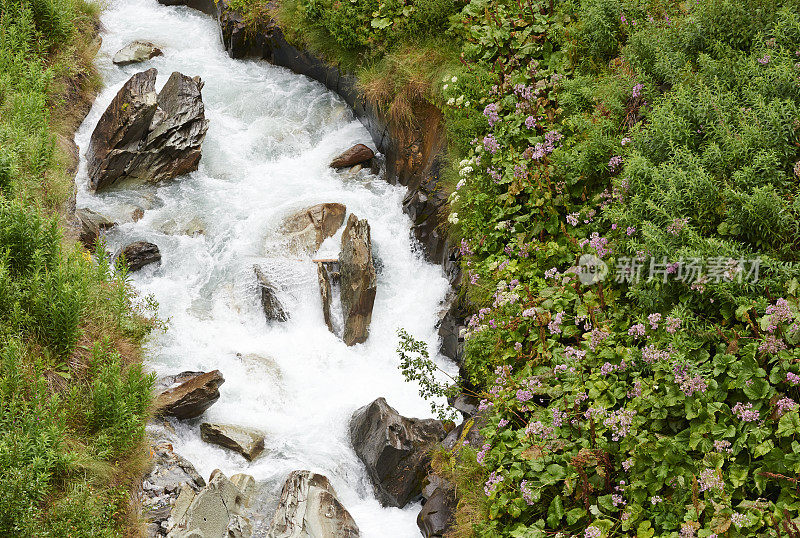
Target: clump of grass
(73,396)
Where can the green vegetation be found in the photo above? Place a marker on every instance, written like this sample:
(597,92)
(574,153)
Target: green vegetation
(73,396)
(660,140)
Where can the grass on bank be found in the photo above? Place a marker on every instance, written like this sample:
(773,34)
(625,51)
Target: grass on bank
(73,396)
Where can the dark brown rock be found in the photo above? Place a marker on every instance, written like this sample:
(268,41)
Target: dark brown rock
(394,449)
(356,155)
(309,508)
(91,224)
(309,227)
(139,254)
(437,513)
(270,303)
(122,127)
(358,280)
(192,397)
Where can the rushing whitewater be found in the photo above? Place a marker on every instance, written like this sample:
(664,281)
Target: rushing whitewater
(270,138)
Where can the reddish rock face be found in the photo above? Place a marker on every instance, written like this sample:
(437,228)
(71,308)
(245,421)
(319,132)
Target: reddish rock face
(356,155)
(192,397)
(147,136)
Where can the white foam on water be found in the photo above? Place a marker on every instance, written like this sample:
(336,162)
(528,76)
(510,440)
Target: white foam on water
(271,135)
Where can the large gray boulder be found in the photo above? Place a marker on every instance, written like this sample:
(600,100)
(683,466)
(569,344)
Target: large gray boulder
(273,309)
(249,443)
(138,254)
(191,397)
(309,227)
(215,511)
(136,52)
(121,129)
(395,450)
(358,280)
(147,136)
(309,508)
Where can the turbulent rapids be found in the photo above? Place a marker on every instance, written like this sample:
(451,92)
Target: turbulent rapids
(271,135)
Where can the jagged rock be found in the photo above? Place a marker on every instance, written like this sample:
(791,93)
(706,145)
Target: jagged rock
(308,228)
(356,155)
(91,224)
(147,136)
(273,308)
(437,513)
(137,214)
(136,52)
(213,512)
(249,443)
(122,127)
(139,254)
(192,397)
(309,508)
(450,325)
(169,474)
(325,294)
(394,449)
(358,280)
(242,38)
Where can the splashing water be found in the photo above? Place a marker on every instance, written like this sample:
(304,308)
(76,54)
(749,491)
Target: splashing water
(270,138)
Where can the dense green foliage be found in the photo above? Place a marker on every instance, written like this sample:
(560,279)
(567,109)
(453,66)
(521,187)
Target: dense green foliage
(72,408)
(659,142)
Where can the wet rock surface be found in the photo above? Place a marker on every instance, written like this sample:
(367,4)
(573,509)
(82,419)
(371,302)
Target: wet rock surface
(309,508)
(394,449)
(309,227)
(139,254)
(247,442)
(148,136)
(270,304)
(437,513)
(358,154)
(358,280)
(92,224)
(136,52)
(195,393)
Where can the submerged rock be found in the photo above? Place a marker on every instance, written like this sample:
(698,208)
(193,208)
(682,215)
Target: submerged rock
(309,227)
(309,508)
(139,254)
(358,280)
(92,223)
(356,155)
(270,303)
(214,511)
(249,443)
(148,136)
(192,397)
(394,449)
(136,52)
